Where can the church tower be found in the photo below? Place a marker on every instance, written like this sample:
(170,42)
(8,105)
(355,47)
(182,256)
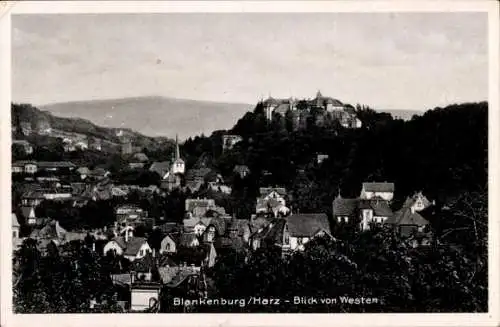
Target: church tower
(178,166)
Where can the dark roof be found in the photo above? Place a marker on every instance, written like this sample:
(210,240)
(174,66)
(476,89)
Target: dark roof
(267,190)
(186,239)
(378,187)
(407,217)
(170,227)
(307,225)
(55,164)
(236,243)
(144,264)
(239,225)
(197,173)
(160,167)
(133,245)
(241,169)
(344,207)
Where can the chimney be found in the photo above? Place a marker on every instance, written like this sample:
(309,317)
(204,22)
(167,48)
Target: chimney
(126,236)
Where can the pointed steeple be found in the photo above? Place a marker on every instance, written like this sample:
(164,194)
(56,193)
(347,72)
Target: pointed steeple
(177,152)
(318,94)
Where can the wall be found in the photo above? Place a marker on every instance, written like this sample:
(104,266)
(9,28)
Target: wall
(140,298)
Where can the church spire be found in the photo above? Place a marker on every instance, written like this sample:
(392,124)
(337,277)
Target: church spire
(177,152)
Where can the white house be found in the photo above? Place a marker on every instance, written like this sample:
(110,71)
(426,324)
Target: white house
(168,245)
(144,296)
(383,190)
(131,248)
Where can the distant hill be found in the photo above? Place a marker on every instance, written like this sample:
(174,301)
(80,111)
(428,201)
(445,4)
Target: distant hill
(155,116)
(26,113)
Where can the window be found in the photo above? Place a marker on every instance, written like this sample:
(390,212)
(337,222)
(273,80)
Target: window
(141,253)
(14,234)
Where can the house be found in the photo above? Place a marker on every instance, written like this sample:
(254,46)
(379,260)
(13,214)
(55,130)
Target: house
(32,197)
(344,210)
(196,177)
(26,128)
(418,202)
(374,211)
(29,215)
(178,165)
(24,145)
(43,126)
(26,167)
(15,227)
(168,244)
(83,172)
(229,141)
(162,168)
(144,296)
(407,221)
(199,207)
(195,225)
(272,201)
(279,106)
(95,144)
(293,232)
(82,145)
(131,248)
(241,170)
(383,190)
(320,158)
(189,240)
(50,235)
(62,167)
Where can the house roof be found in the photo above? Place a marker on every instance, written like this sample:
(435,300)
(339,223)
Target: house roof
(378,187)
(165,260)
(133,245)
(407,217)
(144,264)
(241,169)
(141,157)
(187,238)
(190,222)
(55,164)
(307,225)
(191,204)
(83,171)
(344,207)
(380,207)
(282,108)
(169,227)
(160,167)
(15,222)
(267,190)
(124,279)
(197,173)
(51,230)
(411,200)
(74,236)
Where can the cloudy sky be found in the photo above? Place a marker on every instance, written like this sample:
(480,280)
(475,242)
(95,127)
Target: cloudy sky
(390,61)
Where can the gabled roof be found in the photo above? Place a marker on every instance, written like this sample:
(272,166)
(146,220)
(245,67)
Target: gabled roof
(160,167)
(15,222)
(378,187)
(133,245)
(407,217)
(52,230)
(380,207)
(411,200)
(307,225)
(344,207)
(264,191)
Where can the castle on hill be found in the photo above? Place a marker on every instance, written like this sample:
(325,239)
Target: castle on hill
(343,113)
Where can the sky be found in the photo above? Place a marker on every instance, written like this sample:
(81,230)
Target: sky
(412,61)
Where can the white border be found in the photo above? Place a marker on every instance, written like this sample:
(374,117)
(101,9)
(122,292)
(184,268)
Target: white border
(34,7)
